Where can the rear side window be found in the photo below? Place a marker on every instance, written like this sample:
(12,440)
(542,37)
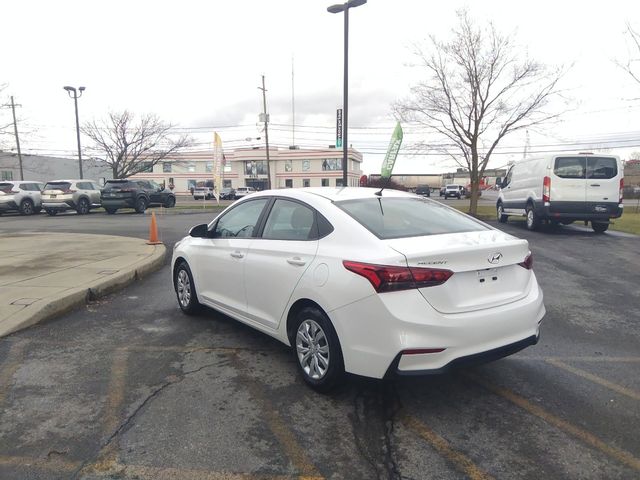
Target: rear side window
(389,218)
(290,221)
(602,167)
(6,187)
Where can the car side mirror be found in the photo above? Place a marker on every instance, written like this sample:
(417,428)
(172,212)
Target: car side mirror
(200,231)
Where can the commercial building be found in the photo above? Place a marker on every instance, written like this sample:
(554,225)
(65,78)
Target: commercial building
(42,168)
(247,167)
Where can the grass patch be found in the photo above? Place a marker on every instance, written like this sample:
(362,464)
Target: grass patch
(629,222)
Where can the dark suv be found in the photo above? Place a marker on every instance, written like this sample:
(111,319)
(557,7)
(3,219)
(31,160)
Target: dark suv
(136,194)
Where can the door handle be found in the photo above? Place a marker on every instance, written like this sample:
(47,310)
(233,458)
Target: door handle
(237,254)
(595,185)
(297,261)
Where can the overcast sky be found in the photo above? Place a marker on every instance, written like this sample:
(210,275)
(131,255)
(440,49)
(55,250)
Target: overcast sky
(197,64)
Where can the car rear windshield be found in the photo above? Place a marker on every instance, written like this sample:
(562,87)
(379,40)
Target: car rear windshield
(57,186)
(389,218)
(585,167)
(6,187)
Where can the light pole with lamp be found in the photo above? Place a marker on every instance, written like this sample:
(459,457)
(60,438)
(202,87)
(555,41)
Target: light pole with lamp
(73,93)
(344,7)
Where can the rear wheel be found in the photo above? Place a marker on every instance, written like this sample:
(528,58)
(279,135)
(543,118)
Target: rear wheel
(170,203)
(317,350)
(533,222)
(51,211)
(141,205)
(185,289)
(599,227)
(502,218)
(26,207)
(83,206)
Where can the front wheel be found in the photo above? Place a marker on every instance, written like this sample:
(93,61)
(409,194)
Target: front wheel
(533,222)
(185,289)
(599,227)
(317,350)
(170,203)
(502,218)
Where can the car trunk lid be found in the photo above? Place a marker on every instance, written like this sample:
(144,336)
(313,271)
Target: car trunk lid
(485,265)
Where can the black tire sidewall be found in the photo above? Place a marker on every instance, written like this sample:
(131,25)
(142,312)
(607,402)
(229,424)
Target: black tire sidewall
(599,227)
(81,203)
(335,373)
(141,205)
(194,304)
(23,204)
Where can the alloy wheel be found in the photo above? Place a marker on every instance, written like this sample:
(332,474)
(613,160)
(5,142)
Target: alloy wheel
(312,348)
(183,286)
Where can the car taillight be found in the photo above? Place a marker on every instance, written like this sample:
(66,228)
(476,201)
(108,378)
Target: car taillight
(68,190)
(528,262)
(386,278)
(621,189)
(546,189)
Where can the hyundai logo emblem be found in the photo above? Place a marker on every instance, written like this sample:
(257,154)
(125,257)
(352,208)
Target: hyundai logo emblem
(494,257)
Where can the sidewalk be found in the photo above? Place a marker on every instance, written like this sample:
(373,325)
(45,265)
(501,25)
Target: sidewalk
(45,274)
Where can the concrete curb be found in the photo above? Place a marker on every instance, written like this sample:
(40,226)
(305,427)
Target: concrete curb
(72,298)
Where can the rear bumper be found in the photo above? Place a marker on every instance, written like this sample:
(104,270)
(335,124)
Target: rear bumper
(66,205)
(603,211)
(375,331)
(118,202)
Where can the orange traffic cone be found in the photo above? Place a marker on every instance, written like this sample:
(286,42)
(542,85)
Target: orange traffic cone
(153,231)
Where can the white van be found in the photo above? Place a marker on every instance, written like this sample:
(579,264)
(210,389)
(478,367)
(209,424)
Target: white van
(563,188)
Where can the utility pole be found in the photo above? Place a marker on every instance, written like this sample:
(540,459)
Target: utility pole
(15,129)
(266,130)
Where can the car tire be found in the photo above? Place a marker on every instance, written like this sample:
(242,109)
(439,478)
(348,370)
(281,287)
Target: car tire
(83,206)
(185,289)
(26,207)
(599,227)
(315,342)
(110,211)
(51,211)
(533,222)
(170,203)
(502,218)
(141,205)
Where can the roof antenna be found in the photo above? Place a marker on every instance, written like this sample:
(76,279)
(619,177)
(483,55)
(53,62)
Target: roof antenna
(388,181)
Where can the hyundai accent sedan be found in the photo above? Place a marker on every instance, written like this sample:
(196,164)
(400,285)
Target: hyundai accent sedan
(361,281)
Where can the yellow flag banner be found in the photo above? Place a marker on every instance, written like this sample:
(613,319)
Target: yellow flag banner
(217,165)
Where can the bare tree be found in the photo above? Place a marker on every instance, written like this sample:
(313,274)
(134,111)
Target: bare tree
(630,65)
(478,89)
(130,146)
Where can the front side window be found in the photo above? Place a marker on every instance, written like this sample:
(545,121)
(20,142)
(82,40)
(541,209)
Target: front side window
(391,217)
(240,222)
(289,221)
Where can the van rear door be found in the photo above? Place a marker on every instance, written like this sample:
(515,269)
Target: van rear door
(603,180)
(568,179)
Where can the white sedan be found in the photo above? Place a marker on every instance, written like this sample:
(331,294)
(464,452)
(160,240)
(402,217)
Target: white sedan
(367,282)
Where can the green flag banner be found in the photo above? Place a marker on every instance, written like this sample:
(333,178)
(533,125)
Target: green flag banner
(392,152)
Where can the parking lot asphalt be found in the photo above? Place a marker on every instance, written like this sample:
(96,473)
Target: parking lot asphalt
(129,387)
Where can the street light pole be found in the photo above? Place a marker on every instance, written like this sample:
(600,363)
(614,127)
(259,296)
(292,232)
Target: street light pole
(75,97)
(345,107)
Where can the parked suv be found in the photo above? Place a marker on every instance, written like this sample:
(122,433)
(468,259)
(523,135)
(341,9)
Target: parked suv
(21,196)
(227,194)
(453,191)
(202,192)
(136,194)
(244,191)
(78,195)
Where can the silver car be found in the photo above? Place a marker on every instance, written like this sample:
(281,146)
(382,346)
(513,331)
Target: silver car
(21,196)
(78,195)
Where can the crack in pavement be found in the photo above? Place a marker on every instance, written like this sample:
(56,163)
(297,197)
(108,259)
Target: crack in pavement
(373,423)
(123,425)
